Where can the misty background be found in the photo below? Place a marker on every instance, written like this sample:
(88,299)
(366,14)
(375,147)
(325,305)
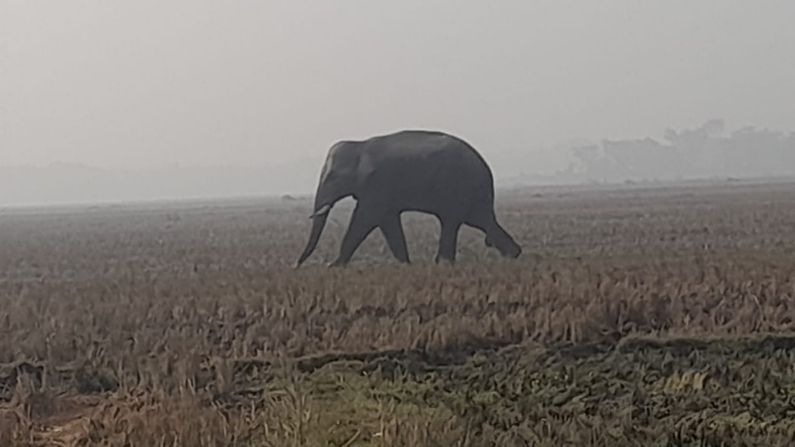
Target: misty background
(112,101)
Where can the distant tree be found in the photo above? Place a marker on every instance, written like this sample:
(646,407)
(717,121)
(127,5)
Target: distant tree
(704,151)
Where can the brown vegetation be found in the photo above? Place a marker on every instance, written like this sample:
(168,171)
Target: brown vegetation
(182,324)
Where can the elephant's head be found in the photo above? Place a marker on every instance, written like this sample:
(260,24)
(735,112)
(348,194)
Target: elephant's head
(342,173)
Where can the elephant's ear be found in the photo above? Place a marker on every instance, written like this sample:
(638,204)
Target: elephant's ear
(365,168)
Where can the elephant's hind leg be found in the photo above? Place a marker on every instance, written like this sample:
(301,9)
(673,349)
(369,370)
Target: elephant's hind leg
(448,242)
(361,225)
(392,229)
(496,235)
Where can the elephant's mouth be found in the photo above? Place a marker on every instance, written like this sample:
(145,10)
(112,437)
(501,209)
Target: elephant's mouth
(322,211)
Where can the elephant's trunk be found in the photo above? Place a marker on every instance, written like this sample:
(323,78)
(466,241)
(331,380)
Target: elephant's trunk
(318,222)
(328,193)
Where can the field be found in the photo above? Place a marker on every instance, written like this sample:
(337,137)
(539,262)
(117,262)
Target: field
(659,316)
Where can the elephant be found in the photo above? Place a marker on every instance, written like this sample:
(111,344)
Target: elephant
(411,170)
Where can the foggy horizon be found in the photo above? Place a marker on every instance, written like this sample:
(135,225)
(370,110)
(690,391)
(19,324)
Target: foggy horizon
(149,86)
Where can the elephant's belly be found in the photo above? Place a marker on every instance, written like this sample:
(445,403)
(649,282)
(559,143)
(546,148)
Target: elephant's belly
(439,201)
(437,188)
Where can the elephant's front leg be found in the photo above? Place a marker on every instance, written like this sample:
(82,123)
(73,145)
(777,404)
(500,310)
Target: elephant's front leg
(363,222)
(448,242)
(395,238)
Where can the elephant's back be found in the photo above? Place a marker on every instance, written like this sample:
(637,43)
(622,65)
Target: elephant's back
(433,149)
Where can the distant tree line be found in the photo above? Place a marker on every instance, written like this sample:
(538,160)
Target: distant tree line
(707,151)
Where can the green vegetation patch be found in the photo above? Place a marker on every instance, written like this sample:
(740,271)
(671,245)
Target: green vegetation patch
(640,392)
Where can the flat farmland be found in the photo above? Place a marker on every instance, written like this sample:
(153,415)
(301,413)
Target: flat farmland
(636,315)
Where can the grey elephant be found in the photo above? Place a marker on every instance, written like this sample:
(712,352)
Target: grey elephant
(412,170)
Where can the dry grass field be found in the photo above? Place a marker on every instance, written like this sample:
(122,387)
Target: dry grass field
(636,316)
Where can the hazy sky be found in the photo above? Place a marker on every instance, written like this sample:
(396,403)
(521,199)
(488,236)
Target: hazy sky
(151,83)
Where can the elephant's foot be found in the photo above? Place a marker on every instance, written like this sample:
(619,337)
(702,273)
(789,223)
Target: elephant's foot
(337,264)
(444,260)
